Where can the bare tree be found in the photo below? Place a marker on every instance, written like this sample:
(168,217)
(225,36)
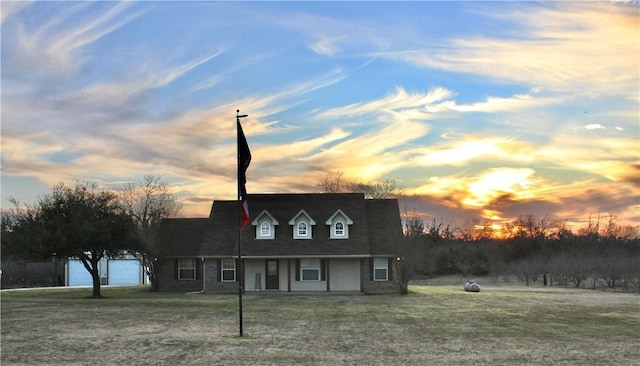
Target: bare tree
(332,183)
(410,251)
(475,230)
(335,183)
(386,188)
(533,227)
(528,270)
(467,258)
(148,202)
(613,231)
(592,230)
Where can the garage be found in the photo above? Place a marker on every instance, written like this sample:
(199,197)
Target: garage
(124,272)
(77,275)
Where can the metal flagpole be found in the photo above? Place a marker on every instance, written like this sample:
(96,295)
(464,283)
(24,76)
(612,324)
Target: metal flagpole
(240,275)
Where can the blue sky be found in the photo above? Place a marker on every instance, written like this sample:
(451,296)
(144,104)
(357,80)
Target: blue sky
(477,109)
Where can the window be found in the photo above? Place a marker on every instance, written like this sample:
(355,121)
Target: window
(380,269)
(187,269)
(302,229)
(339,224)
(228,270)
(265,225)
(310,269)
(265,229)
(302,225)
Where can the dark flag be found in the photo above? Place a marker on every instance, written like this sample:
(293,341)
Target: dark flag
(244,159)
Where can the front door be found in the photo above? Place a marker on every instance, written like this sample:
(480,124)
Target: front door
(273,279)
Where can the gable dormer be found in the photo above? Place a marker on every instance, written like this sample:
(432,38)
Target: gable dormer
(302,225)
(265,225)
(339,225)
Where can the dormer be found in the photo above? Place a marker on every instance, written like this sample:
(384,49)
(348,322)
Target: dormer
(265,225)
(339,225)
(302,225)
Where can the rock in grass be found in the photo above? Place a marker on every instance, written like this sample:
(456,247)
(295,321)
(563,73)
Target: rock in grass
(471,286)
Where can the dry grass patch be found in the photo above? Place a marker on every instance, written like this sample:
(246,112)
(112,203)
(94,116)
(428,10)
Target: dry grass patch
(433,325)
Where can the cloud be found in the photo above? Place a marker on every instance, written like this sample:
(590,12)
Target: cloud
(611,157)
(399,103)
(325,44)
(11,8)
(585,48)
(471,148)
(482,189)
(330,35)
(492,104)
(506,193)
(57,42)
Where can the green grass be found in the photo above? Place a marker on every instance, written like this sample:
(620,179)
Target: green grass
(440,325)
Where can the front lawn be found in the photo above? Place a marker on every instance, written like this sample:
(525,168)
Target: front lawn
(437,325)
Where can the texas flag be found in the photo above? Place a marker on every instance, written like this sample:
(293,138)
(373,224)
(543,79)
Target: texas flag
(244,159)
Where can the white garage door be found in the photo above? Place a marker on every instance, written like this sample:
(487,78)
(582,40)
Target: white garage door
(77,274)
(125,272)
(345,274)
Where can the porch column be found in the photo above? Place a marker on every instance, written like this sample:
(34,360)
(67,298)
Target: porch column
(288,274)
(328,261)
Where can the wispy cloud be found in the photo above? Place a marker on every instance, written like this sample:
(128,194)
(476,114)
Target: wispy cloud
(399,103)
(493,104)
(594,126)
(58,41)
(372,154)
(592,49)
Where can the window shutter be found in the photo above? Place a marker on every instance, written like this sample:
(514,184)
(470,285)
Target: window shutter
(323,272)
(176,269)
(297,269)
(370,269)
(390,265)
(219,269)
(198,264)
(238,272)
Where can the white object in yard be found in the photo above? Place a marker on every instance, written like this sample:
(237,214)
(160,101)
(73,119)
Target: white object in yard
(471,286)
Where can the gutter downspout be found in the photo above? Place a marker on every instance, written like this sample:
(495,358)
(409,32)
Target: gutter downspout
(204,278)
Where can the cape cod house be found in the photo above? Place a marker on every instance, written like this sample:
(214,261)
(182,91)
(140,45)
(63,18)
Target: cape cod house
(295,242)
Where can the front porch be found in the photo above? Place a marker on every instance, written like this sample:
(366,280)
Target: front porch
(289,275)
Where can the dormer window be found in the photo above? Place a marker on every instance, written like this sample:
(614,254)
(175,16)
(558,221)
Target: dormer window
(265,229)
(339,224)
(302,229)
(302,225)
(265,226)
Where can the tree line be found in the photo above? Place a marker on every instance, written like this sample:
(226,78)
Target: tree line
(538,249)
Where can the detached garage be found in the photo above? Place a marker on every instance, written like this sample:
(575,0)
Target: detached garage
(126,271)
(76,274)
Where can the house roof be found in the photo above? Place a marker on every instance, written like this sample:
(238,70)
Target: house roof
(375,230)
(181,237)
(385,226)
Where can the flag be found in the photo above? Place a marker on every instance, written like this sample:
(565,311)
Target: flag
(244,159)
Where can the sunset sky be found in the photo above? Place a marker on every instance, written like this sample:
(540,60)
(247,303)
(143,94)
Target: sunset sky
(477,109)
